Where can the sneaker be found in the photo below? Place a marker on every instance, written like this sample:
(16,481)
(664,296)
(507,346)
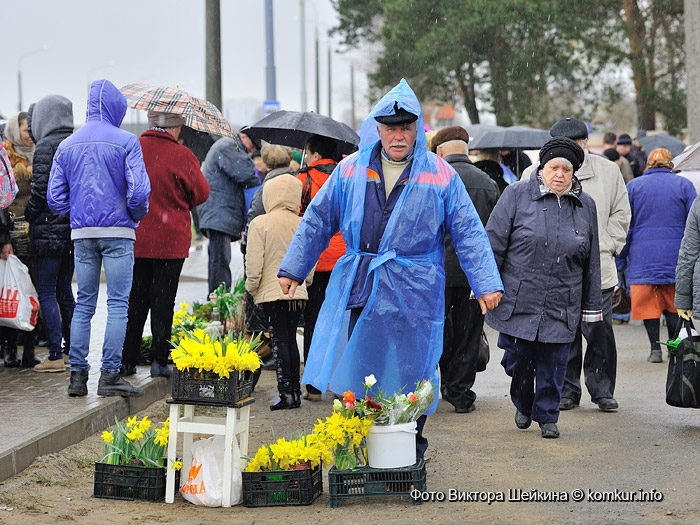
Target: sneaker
(158,370)
(114,385)
(50,366)
(655,357)
(78,383)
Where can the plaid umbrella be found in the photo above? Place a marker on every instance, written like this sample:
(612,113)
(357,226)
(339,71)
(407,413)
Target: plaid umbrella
(199,114)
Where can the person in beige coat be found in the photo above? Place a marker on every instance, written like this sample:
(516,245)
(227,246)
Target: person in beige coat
(269,235)
(602,180)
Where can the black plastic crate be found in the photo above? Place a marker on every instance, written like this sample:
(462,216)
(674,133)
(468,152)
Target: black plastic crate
(130,482)
(191,385)
(367,481)
(286,487)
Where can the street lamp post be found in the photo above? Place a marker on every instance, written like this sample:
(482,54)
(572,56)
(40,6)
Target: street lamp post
(19,73)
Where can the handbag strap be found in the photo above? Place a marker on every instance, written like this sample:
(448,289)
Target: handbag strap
(683,323)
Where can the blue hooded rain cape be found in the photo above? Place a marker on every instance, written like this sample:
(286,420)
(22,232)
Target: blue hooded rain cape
(398,336)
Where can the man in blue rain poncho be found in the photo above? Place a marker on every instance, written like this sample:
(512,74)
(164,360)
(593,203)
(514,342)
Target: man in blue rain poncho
(393,201)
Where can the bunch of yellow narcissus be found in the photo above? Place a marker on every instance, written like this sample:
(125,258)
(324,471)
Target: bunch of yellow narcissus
(284,454)
(220,356)
(336,428)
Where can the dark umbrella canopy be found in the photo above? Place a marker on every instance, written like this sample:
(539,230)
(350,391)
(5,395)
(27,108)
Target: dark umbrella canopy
(476,131)
(662,140)
(520,137)
(295,128)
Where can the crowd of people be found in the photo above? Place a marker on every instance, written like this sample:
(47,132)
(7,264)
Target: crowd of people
(395,255)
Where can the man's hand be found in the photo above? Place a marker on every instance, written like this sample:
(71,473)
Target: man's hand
(489,301)
(288,286)
(6,251)
(684,314)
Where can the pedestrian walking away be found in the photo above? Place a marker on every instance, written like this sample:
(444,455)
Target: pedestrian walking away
(163,239)
(393,200)
(269,237)
(603,181)
(50,122)
(660,202)
(320,157)
(228,171)
(464,321)
(98,176)
(544,235)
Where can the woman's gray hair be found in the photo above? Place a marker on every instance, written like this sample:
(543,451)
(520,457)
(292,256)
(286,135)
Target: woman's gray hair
(565,162)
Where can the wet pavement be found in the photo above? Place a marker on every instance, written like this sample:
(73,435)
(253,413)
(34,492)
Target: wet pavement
(37,415)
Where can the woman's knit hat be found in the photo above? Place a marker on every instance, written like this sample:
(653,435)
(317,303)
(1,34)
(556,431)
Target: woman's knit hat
(562,147)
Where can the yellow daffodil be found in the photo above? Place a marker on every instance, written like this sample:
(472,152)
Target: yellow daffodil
(107,437)
(177,465)
(131,423)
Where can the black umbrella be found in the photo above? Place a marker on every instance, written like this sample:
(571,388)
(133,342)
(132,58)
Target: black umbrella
(516,137)
(294,128)
(662,140)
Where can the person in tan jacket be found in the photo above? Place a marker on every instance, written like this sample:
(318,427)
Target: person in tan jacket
(269,237)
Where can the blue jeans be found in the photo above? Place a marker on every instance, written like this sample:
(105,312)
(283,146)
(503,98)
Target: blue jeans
(219,259)
(53,284)
(117,256)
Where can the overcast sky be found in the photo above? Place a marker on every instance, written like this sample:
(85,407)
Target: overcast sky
(162,42)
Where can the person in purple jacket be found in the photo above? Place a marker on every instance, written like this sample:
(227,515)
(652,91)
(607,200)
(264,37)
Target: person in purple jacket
(99,177)
(660,202)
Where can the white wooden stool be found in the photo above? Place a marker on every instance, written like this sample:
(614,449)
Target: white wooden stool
(236,422)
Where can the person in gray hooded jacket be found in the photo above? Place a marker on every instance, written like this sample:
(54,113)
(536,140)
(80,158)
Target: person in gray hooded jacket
(687,300)
(50,122)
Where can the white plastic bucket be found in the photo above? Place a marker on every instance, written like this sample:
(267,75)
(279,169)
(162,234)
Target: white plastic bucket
(392,446)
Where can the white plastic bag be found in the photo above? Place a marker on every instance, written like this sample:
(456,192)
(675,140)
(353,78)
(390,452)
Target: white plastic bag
(205,482)
(19,303)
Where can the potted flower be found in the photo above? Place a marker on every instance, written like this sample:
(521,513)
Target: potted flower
(286,472)
(391,442)
(133,466)
(215,370)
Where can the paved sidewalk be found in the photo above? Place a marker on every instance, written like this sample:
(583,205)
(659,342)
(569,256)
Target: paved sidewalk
(37,415)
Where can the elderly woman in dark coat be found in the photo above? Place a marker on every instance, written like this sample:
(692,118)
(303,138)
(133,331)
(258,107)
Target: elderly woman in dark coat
(544,235)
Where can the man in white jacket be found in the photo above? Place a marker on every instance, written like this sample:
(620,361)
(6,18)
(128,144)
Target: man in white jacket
(602,180)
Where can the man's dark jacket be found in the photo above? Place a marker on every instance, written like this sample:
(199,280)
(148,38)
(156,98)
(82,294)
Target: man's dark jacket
(484,193)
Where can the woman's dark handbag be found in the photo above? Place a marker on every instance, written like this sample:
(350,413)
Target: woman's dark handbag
(683,380)
(482,358)
(621,300)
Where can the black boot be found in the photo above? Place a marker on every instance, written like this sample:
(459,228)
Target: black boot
(285,402)
(29,359)
(10,359)
(297,398)
(78,383)
(115,385)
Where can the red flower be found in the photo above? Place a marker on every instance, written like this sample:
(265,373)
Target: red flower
(349,397)
(372,404)
(412,398)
